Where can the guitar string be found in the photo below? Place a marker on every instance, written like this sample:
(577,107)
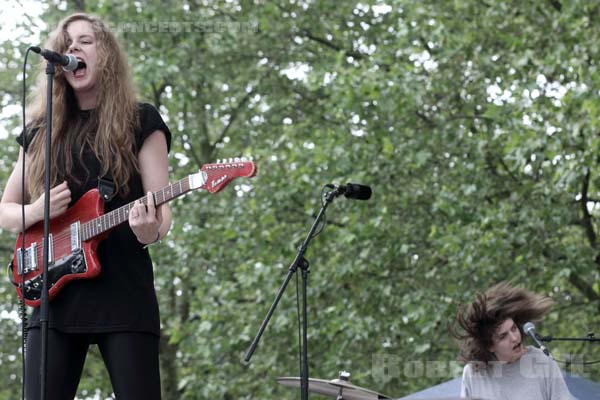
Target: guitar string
(87,228)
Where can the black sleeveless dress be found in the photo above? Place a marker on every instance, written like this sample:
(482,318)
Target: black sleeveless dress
(122,298)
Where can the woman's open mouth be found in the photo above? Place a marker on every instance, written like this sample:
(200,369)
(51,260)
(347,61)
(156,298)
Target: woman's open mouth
(81,68)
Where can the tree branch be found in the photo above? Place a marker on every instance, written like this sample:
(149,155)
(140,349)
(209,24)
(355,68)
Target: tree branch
(157,93)
(505,167)
(586,221)
(184,138)
(79,5)
(233,116)
(556,4)
(584,287)
(331,45)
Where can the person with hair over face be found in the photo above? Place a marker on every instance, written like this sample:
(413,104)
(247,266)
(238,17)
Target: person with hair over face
(99,130)
(498,365)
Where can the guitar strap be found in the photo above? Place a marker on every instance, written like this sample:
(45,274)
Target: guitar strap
(106,187)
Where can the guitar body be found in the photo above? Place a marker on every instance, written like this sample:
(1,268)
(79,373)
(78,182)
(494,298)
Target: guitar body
(66,264)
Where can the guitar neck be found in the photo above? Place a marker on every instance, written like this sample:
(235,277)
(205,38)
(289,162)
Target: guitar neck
(211,177)
(107,221)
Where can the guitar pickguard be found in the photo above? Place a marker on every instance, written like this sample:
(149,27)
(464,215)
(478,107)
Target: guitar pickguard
(69,265)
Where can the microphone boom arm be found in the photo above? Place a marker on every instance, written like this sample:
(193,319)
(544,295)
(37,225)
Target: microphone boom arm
(589,338)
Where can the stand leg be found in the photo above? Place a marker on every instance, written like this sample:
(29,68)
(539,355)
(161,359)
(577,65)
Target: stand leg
(304,372)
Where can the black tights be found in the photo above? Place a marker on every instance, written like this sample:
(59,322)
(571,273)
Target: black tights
(131,359)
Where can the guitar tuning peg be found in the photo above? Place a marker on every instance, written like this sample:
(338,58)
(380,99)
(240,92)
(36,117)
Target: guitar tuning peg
(236,159)
(230,160)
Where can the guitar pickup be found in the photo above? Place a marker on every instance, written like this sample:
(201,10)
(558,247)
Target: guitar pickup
(30,259)
(75,236)
(50,249)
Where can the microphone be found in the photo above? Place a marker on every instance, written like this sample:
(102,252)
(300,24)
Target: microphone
(69,62)
(529,329)
(352,191)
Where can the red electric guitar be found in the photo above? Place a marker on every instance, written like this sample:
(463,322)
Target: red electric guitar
(74,236)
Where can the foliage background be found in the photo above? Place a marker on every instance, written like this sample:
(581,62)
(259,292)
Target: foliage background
(475,122)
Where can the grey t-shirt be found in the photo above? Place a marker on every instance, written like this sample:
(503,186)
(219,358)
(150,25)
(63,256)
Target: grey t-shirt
(534,376)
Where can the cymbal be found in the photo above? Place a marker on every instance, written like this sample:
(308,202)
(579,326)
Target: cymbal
(332,388)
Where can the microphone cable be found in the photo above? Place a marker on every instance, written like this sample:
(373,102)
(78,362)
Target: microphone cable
(22,307)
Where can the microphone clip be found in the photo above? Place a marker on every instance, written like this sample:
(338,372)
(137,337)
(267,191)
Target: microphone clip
(337,191)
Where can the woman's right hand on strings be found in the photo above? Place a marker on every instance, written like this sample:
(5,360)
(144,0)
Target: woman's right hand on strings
(60,197)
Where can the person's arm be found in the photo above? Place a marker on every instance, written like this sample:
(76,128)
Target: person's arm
(10,204)
(152,224)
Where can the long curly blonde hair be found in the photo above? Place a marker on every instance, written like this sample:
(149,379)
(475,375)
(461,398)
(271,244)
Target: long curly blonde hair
(110,129)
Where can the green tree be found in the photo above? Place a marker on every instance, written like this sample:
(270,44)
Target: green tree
(475,123)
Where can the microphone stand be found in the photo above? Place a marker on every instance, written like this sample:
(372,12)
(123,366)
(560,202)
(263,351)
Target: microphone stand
(589,338)
(44,306)
(302,263)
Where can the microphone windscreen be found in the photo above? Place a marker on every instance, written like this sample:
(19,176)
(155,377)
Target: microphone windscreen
(528,327)
(358,192)
(73,63)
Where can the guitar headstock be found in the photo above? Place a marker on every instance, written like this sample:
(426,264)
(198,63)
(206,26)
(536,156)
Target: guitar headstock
(219,174)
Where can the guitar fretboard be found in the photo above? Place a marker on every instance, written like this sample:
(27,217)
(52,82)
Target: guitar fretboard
(116,217)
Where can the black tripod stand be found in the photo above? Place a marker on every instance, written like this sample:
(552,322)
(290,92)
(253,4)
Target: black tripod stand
(350,191)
